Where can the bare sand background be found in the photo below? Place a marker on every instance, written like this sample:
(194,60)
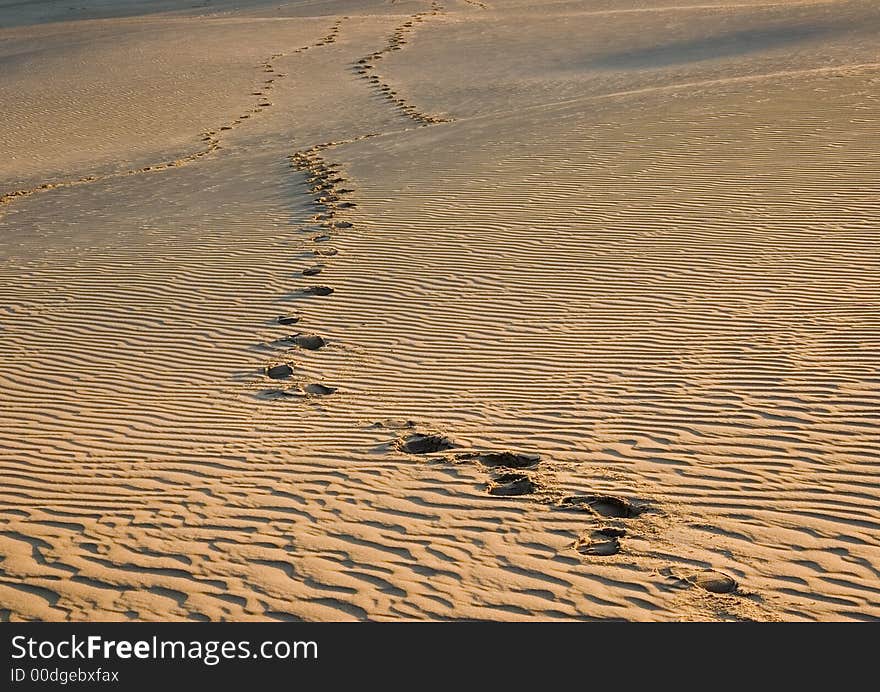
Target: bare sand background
(636,238)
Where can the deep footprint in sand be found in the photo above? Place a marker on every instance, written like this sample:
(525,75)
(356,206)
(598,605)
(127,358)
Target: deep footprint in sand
(326,252)
(279,372)
(419,443)
(604,505)
(310,342)
(317,389)
(317,291)
(511,485)
(312,271)
(713,582)
(287,319)
(512,460)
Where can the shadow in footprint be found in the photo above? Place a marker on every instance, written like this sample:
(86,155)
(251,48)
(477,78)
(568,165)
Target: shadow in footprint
(511,484)
(419,443)
(604,505)
(512,460)
(310,342)
(279,372)
(273,394)
(317,389)
(317,291)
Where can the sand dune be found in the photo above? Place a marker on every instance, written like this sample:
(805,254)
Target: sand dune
(440,310)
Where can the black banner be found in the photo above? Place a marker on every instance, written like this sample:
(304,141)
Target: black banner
(131,656)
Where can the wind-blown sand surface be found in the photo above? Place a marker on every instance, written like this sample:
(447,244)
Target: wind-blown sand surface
(635,238)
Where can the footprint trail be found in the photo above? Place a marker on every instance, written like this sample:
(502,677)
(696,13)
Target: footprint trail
(211,139)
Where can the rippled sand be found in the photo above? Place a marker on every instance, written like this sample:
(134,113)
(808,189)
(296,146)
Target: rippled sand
(632,243)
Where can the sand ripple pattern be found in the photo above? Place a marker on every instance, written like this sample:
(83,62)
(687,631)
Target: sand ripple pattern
(703,328)
(605,346)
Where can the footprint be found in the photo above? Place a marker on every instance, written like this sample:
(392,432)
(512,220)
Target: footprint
(420,443)
(713,582)
(287,319)
(610,532)
(279,372)
(318,389)
(317,291)
(326,252)
(312,271)
(326,237)
(511,484)
(272,394)
(310,342)
(605,505)
(513,460)
(600,547)
(394,424)
(602,541)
